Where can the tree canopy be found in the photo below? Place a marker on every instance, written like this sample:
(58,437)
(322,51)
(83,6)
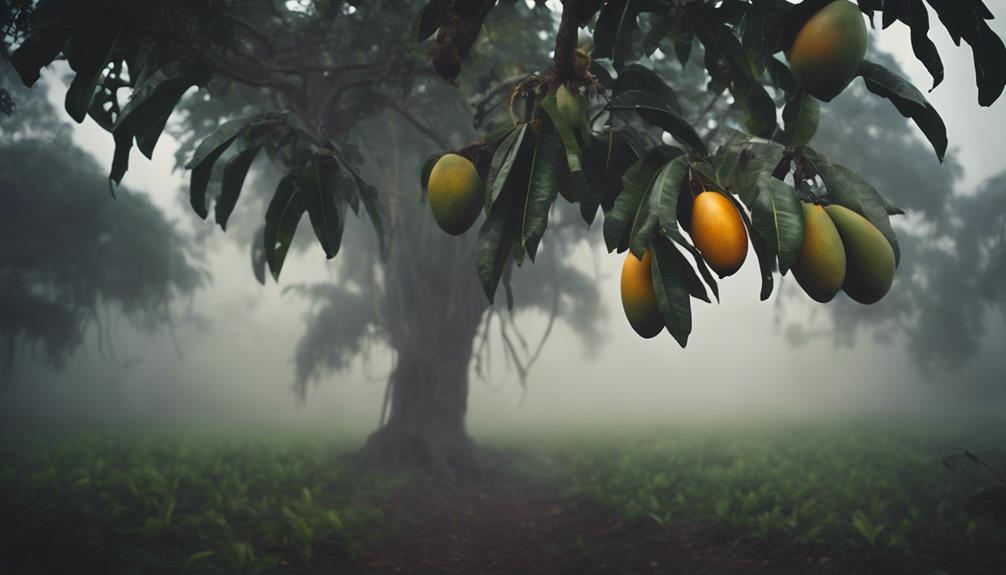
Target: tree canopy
(638,159)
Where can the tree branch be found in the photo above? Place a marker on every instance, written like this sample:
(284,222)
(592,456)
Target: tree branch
(575,13)
(457,34)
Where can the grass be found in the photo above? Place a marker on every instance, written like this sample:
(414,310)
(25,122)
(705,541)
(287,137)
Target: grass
(174,503)
(870,497)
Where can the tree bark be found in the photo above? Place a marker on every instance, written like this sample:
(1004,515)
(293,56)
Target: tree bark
(434,306)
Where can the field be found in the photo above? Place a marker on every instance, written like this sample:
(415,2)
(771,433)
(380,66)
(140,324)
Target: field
(848,497)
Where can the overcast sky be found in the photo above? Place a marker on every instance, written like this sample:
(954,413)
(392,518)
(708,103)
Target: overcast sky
(738,361)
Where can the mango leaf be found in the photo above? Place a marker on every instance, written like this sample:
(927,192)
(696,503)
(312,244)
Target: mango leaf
(643,79)
(503,162)
(909,101)
(208,152)
(778,218)
(284,213)
(801,116)
(757,158)
(613,152)
(88,53)
(376,213)
(52,24)
(587,183)
(672,277)
(665,191)
(630,206)
(722,46)
(494,244)
(658,33)
(542,186)
(766,255)
(849,189)
(700,263)
(429,18)
(235,171)
(325,208)
(653,110)
(613,31)
(151,105)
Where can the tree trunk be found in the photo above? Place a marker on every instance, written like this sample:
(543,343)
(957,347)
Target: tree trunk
(434,305)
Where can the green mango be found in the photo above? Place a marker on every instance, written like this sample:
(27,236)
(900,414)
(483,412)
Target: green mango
(870,257)
(820,267)
(455,193)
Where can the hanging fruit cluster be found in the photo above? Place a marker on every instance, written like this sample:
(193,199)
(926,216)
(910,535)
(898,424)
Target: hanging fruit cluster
(688,213)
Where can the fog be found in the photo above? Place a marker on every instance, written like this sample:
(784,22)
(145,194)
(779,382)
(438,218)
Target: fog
(229,354)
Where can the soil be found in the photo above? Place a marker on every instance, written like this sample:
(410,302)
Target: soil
(509,525)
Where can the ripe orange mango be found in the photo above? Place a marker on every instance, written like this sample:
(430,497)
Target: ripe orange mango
(820,266)
(719,233)
(639,300)
(828,50)
(455,193)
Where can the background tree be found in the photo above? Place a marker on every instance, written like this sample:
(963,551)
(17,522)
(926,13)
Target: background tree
(70,260)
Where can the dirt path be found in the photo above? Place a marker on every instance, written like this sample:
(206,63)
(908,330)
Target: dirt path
(511,526)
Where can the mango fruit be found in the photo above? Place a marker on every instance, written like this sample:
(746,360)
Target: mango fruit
(870,257)
(572,106)
(820,266)
(828,50)
(639,300)
(455,193)
(718,231)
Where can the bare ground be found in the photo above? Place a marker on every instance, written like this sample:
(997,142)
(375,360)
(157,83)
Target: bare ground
(508,525)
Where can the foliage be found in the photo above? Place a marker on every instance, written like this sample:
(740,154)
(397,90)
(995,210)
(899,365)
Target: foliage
(873,498)
(180,503)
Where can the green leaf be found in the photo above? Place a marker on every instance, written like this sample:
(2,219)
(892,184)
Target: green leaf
(429,18)
(757,158)
(651,109)
(52,23)
(87,52)
(281,220)
(504,159)
(849,189)
(778,218)
(235,171)
(643,79)
(542,186)
(621,221)
(723,47)
(208,152)
(325,208)
(672,277)
(801,115)
(665,192)
(700,263)
(151,105)
(909,101)
(766,255)
(494,244)
(657,33)
(613,153)
(586,181)
(376,213)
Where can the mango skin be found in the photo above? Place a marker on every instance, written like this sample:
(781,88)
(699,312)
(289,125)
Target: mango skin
(718,231)
(639,300)
(821,265)
(870,257)
(455,193)
(828,50)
